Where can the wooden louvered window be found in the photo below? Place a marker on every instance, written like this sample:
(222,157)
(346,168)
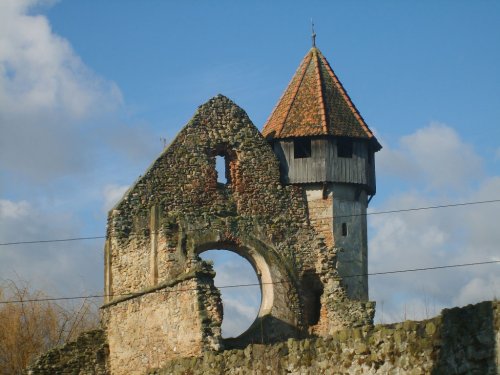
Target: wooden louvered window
(301,148)
(344,148)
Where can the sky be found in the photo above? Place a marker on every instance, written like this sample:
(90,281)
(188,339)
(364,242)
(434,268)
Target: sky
(91,90)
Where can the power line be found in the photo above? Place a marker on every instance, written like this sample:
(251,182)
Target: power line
(424,269)
(422,208)
(55,240)
(334,217)
(48,299)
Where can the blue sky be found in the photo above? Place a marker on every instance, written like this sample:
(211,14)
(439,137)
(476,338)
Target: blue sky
(88,88)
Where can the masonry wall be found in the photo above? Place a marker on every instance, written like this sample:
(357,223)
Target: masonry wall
(87,355)
(460,341)
(177,210)
(338,213)
(350,234)
(180,318)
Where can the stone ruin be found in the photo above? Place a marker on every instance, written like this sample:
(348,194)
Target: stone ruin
(294,205)
(276,209)
(162,302)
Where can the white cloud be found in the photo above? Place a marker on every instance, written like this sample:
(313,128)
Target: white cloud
(239,314)
(65,268)
(62,137)
(112,194)
(41,72)
(479,288)
(435,155)
(13,210)
(436,237)
(46,92)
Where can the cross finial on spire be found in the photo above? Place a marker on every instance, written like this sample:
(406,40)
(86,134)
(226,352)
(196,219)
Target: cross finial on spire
(313,33)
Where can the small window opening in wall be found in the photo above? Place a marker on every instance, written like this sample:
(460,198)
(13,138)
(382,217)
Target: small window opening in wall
(316,307)
(221,168)
(344,229)
(301,148)
(344,148)
(313,290)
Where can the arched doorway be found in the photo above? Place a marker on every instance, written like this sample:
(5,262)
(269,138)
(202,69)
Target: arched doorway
(278,316)
(240,290)
(261,270)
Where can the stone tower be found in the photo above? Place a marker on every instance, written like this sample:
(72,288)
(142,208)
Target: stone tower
(324,145)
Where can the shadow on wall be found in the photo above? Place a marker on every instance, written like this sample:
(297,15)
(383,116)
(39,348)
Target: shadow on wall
(468,340)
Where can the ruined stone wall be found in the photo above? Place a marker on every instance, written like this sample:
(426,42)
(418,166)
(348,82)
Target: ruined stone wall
(460,341)
(87,355)
(178,210)
(163,324)
(181,189)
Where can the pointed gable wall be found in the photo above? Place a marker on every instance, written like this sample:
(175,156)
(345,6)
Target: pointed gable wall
(178,210)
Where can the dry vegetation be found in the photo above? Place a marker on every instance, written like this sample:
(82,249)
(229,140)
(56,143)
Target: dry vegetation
(29,328)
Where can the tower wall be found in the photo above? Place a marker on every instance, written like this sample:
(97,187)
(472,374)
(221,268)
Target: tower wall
(338,213)
(350,234)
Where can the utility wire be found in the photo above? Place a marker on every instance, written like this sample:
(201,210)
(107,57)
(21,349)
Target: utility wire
(334,217)
(56,240)
(253,284)
(421,208)
(423,269)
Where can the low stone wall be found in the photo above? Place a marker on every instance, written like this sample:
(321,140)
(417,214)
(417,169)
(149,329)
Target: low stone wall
(85,356)
(460,341)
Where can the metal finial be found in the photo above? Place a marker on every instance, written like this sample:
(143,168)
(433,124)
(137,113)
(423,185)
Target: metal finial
(313,33)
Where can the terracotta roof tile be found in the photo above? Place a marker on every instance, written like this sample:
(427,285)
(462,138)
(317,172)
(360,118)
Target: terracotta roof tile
(315,103)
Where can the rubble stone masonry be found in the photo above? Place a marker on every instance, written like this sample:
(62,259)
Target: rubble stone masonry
(459,341)
(177,210)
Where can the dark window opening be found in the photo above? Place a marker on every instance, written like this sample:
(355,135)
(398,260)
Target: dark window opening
(344,229)
(312,292)
(301,148)
(344,148)
(316,307)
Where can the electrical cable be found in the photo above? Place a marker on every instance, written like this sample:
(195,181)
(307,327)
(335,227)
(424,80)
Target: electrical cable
(48,299)
(334,217)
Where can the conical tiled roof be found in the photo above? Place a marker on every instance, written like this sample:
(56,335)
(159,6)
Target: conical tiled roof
(315,104)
